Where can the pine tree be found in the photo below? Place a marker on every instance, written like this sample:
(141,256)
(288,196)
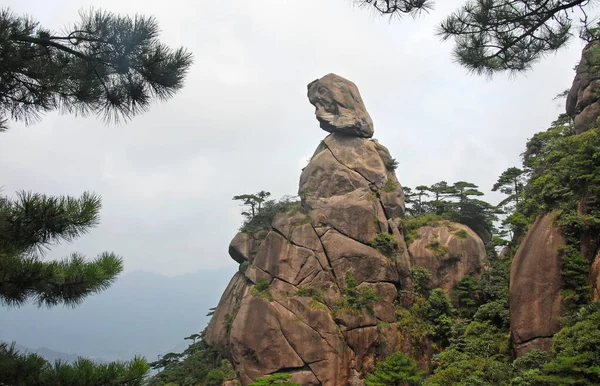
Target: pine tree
(502,35)
(29,225)
(108,65)
(395,370)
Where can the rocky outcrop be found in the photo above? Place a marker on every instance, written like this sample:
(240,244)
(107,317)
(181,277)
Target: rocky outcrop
(339,106)
(583,100)
(535,284)
(450,251)
(303,299)
(289,309)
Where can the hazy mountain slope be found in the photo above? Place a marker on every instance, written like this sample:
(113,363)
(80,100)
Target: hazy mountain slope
(142,313)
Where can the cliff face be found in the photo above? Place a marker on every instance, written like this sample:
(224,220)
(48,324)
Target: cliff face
(535,284)
(318,290)
(450,251)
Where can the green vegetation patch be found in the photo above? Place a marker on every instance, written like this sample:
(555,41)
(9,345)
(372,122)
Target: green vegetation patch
(261,290)
(390,164)
(411,225)
(311,292)
(357,299)
(440,251)
(461,234)
(389,186)
(387,245)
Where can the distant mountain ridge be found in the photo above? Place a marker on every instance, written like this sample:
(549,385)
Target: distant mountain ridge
(141,314)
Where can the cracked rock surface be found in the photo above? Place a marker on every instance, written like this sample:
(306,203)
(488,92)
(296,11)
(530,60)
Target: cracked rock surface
(349,195)
(535,285)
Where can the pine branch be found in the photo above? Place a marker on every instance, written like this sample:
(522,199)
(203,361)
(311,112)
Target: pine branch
(67,282)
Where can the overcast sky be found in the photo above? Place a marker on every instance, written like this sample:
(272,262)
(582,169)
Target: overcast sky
(243,122)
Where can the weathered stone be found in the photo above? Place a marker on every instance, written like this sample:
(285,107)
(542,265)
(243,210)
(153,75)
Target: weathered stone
(285,223)
(325,177)
(392,200)
(583,103)
(535,284)
(543,344)
(359,155)
(258,346)
(384,307)
(349,194)
(339,106)
(450,251)
(240,248)
(255,274)
(356,214)
(279,258)
(365,263)
(217,332)
(305,378)
(362,341)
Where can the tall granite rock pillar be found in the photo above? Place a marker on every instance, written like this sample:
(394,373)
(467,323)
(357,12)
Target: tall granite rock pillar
(287,309)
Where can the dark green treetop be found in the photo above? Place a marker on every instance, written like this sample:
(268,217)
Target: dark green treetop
(108,65)
(502,35)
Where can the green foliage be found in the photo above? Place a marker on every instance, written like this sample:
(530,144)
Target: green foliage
(389,186)
(461,234)
(244,266)
(411,225)
(198,364)
(496,36)
(468,295)
(390,164)
(281,379)
(438,310)
(105,64)
(397,369)
(312,292)
(575,273)
(413,326)
(31,369)
(31,223)
(261,212)
(386,244)
(261,289)
(440,251)
(478,355)
(576,354)
(495,312)
(455,202)
(421,280)
(355,298)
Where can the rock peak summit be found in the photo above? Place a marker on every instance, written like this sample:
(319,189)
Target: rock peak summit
(339,106)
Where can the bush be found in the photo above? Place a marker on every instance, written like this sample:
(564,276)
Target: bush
(390,164)
(275,379)
(495,312)
(389,186)
(395,370)
(421,281)
(311,292)
(461,234)
(357,299)
(411,225)
(440,251)
(386,244)
(261,289)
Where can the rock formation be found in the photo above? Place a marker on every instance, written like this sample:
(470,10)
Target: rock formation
(583,100)
(535,284)
(300,301)
(450,251)
(339,107)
